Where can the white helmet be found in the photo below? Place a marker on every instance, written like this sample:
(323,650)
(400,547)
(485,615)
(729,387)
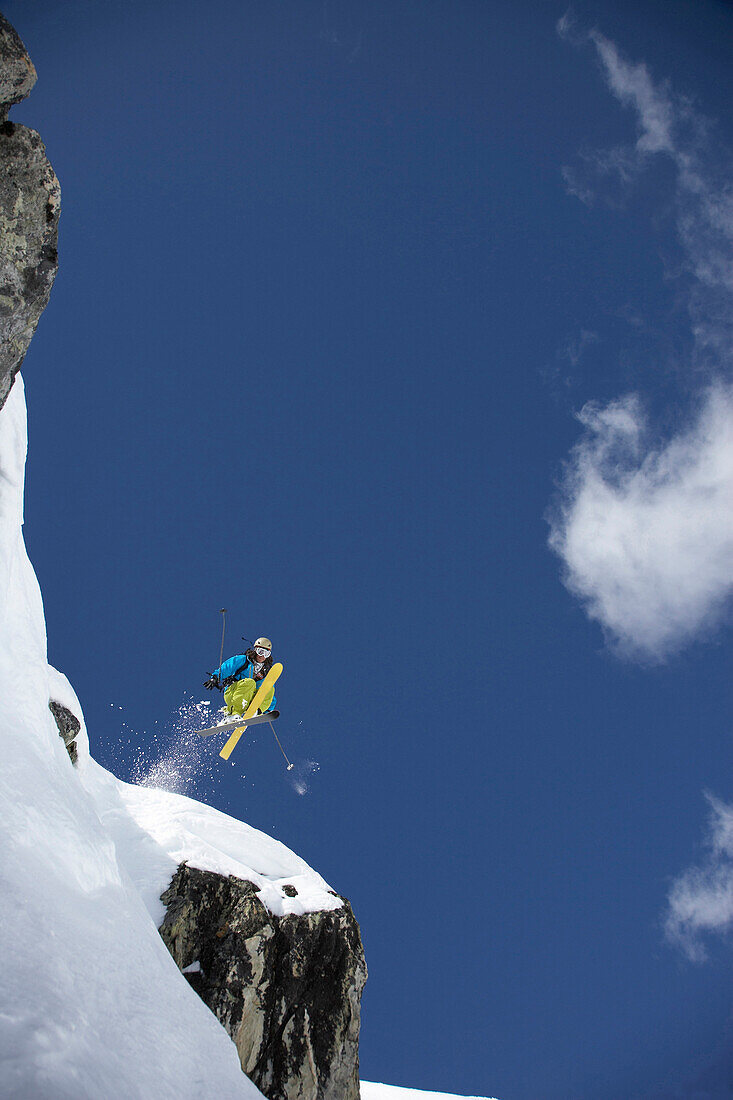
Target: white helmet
(264,643)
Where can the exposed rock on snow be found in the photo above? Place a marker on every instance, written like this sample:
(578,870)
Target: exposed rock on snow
(30,199)
(69,727)
(69,716)
(287,989)
(67,712)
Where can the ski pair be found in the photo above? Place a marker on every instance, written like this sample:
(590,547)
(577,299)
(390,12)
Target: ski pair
(251,711)
(232,723)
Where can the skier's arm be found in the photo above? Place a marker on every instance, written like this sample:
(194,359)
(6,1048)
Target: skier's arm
(230,667)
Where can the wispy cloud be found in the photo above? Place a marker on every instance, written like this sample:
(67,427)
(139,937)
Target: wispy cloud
(633,86)
(644,527)
(575,346)
(701,900)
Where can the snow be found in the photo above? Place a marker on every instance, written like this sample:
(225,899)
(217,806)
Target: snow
(371,1091)
(155,830)
(92,1004)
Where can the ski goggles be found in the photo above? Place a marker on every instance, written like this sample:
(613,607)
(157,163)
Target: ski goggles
(262,652)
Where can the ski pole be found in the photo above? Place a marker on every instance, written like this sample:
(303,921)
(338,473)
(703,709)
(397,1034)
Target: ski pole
(223,613)
(282,750)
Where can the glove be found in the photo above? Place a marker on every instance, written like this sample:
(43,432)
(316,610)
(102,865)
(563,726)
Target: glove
(212,683)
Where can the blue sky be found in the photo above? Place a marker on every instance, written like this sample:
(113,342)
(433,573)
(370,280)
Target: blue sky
(336,281)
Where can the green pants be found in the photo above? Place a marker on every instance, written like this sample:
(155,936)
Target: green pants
(240,694)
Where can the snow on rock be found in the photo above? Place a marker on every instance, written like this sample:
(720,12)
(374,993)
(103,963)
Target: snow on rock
(155,831)
(372,1091)
(92,1004)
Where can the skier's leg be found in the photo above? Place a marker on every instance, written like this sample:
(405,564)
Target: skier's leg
(250,691)
(229,698)
(239,695)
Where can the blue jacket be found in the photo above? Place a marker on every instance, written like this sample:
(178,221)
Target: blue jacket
(240,667)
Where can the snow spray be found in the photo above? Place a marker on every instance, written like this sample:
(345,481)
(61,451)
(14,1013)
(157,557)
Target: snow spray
(300,776)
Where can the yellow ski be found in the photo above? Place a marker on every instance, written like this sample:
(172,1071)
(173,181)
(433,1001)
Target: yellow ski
(251,710)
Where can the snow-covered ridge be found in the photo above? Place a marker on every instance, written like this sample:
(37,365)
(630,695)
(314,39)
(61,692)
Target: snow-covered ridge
(154,831)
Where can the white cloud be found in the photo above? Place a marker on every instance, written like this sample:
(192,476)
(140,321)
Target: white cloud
(645,529)
(701,900)
(644,526)
(646,534)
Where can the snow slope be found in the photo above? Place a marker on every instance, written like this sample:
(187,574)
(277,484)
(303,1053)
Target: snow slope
(92,1005)
(155,830)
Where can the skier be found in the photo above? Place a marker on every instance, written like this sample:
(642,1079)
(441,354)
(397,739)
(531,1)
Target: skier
(239,678)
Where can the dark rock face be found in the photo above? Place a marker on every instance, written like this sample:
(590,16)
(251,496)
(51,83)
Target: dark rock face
(17,72)
(30,199)
(69,726)
(287,989)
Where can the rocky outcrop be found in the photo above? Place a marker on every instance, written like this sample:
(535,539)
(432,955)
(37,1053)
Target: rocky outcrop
(30,199)
(68,726)
(17,71)
(287,989)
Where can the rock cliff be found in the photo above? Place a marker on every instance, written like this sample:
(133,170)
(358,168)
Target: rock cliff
(30,200)
(287,989)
